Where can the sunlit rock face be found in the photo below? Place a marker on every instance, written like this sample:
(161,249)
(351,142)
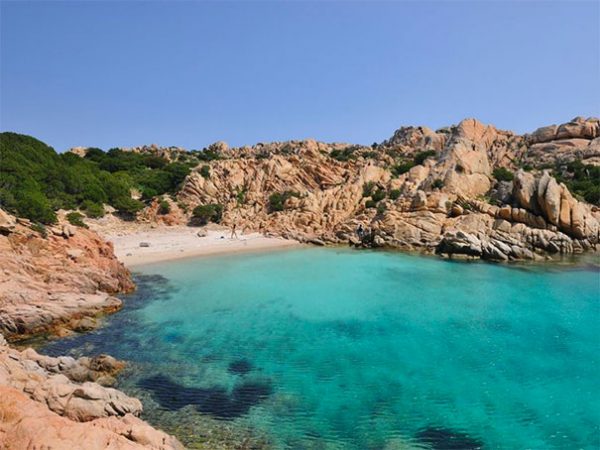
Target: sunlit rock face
(334,188)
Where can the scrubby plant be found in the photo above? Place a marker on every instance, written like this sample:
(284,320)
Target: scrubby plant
(164,207)
(420,157)
(76,219)
(40,228)
(277,200)
(370,204)
(394,194)
(240,196)
(378,195)
(368,188)
(92,210)
(381,208)
(205,171)
(437,184)
(402,168)
(212,212)
(503,174)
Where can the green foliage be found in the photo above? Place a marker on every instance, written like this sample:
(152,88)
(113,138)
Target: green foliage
(241,196)
(420,157)
(92,210)
(164,207)
(381,208)
(402,168)
(208,213)
(206,155)
(35,180)
(378,195)
(583,180)
(503,174)
(127,206)
(395,194)
(34,205)
(344,154)
(205,171)
(370,204)
(277,200)
(76,219)
(368,188)
(41,229)
(438,184)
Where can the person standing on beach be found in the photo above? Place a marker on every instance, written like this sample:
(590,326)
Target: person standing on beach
(233,232)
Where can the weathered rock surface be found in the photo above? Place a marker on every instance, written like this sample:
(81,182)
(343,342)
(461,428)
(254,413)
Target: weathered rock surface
(59,282)
(449,192)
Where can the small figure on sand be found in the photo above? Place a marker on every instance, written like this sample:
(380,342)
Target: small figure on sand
(234,232)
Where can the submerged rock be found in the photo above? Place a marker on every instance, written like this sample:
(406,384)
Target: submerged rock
(439,438)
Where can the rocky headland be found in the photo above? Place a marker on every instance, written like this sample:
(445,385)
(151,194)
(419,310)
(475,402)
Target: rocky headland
(58,280)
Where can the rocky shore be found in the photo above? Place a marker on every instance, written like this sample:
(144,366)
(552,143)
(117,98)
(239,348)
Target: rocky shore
(59,280)
(422,190)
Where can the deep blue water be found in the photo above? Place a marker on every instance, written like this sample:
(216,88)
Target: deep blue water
(327,348)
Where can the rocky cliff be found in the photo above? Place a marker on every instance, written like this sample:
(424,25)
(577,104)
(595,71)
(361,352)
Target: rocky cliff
(59,279)
(419,190)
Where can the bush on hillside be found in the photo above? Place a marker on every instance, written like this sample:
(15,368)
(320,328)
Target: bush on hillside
(503,174)
(76,219)
(277,200)
(212,212)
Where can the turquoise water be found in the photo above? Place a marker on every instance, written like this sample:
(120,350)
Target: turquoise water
(326,348)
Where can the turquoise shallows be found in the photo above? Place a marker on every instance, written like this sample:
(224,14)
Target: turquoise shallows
(328,348)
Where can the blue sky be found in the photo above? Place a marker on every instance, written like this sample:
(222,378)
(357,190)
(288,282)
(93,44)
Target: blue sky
(190,73)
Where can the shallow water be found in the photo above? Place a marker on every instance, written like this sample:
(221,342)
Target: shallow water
(326,348)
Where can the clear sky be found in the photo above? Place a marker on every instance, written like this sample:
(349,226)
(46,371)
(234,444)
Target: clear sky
(190,73)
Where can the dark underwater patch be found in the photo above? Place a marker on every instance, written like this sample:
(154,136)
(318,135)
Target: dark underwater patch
(240,366)
(214,401)
(439,438)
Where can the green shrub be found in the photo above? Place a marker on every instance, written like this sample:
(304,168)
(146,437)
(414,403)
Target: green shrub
(35,180)
(127,206)
(503,174)
(402,168)
(345,154)
(420,157)
(381,208)
(277,200)
(92,210)
(395,194)
(212,212)
(35,206)
(370,204)
(241,196)
(368,188)
(438,184)
(164,207)
(378,195)
(41,229)
(205,171)
(76,219)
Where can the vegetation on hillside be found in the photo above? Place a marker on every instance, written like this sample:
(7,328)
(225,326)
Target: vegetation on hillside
(583,180)
(35,181)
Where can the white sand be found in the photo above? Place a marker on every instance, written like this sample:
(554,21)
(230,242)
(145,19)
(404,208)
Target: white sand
(168,243)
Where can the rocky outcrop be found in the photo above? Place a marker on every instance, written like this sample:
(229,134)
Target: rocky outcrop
(41,407)
(60,281)
(453,190)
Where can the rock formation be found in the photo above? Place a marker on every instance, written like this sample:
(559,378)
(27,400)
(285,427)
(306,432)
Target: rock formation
(58,279)
(62,281)
(431,206)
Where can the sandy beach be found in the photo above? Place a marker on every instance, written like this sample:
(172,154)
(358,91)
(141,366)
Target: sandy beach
(147,246)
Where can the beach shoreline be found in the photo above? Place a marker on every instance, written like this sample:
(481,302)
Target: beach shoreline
(136,248)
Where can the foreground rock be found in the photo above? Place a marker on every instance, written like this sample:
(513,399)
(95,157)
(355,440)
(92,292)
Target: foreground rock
(56,283)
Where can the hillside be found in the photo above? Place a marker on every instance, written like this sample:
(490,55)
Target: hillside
(468,189)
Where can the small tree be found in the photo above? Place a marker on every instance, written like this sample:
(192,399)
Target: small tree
(212,212)
(92,210)
(438,184)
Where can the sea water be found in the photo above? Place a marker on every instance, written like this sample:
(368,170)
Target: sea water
(330,348)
